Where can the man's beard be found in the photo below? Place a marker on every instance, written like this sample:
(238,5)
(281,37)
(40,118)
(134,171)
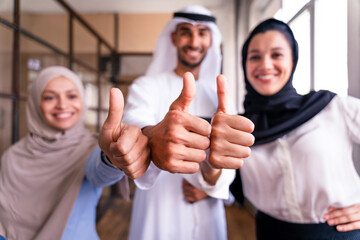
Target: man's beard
(190,65)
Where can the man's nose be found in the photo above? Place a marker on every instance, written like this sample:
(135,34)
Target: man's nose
(194,40)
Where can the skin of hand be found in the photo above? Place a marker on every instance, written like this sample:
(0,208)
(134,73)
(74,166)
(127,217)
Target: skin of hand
(191,193)
(124,145)
(179,141)
(231,136)
(345,219)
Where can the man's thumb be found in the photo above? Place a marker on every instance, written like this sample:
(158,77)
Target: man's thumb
(222,93)
(187,94)
(116,107)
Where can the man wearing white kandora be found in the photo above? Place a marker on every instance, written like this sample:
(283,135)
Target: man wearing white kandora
(190,42)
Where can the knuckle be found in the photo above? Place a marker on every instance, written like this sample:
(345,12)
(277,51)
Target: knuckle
(129,158)
(350,218)
(215,146)
(174,136)
(176,117)
(214,160)
(217,131)
(122,148)
(134,130)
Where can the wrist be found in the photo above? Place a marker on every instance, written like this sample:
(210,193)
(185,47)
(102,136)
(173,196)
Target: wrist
(105,159)
(210,174)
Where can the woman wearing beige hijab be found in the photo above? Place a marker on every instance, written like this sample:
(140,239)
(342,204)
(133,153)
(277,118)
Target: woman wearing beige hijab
(51,180)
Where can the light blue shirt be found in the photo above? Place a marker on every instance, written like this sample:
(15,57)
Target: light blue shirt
(82,221)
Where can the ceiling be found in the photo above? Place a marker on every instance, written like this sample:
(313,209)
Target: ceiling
(105,6)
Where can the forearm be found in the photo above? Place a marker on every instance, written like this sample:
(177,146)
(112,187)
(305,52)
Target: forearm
(210,174)
(220,190)
(99,173)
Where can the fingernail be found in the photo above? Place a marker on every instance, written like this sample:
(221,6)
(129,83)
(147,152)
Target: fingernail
(326,216)
(331,222)
(340,228)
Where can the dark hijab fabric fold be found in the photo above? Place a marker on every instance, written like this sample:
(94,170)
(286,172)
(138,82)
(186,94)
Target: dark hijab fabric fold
(276,115)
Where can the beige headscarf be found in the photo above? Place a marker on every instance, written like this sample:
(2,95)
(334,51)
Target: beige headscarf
(41,175)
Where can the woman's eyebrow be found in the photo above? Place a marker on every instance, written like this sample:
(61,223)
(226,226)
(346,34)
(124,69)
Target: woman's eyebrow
(52,91)
(254,51)
(277,48)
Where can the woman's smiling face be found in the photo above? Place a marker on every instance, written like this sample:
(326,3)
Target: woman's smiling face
(61,103)
(269,62)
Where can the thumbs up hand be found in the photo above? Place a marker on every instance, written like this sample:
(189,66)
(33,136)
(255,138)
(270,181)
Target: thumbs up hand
(231,136)
(124,145)
(179,141)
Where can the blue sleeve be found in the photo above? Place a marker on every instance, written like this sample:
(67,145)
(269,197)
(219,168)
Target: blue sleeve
(98,173)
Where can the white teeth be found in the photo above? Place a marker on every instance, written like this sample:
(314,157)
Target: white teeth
(265,77)
(193,53)
(63,115)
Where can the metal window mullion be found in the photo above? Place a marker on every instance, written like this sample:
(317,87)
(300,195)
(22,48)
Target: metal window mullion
(16,74)
(312,44)
(98,109)
(71,41)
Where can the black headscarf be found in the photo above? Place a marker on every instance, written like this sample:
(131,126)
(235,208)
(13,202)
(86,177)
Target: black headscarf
(278,114)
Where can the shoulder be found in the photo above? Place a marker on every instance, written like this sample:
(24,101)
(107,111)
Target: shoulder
(158,78)
(346,102)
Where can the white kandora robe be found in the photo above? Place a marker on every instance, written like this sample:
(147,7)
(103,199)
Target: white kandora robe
(160,211)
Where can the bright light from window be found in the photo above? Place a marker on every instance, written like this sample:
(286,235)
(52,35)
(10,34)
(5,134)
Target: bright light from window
(331,46)
(289,9)
(301,30)
(330,50)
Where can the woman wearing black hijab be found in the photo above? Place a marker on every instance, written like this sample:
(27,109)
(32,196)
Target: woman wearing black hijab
(300,175)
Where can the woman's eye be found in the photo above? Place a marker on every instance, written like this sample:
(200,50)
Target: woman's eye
(254,57)
(72,96)
(48,98)
(276,55)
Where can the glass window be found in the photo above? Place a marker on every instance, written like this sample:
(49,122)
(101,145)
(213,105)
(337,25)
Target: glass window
(331,46)
(6,10)
(330,43)
(6,39)
(301,29)
(289,9)
(23,129)
(52,27)
(35,57)
(5,124)
(85,45)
